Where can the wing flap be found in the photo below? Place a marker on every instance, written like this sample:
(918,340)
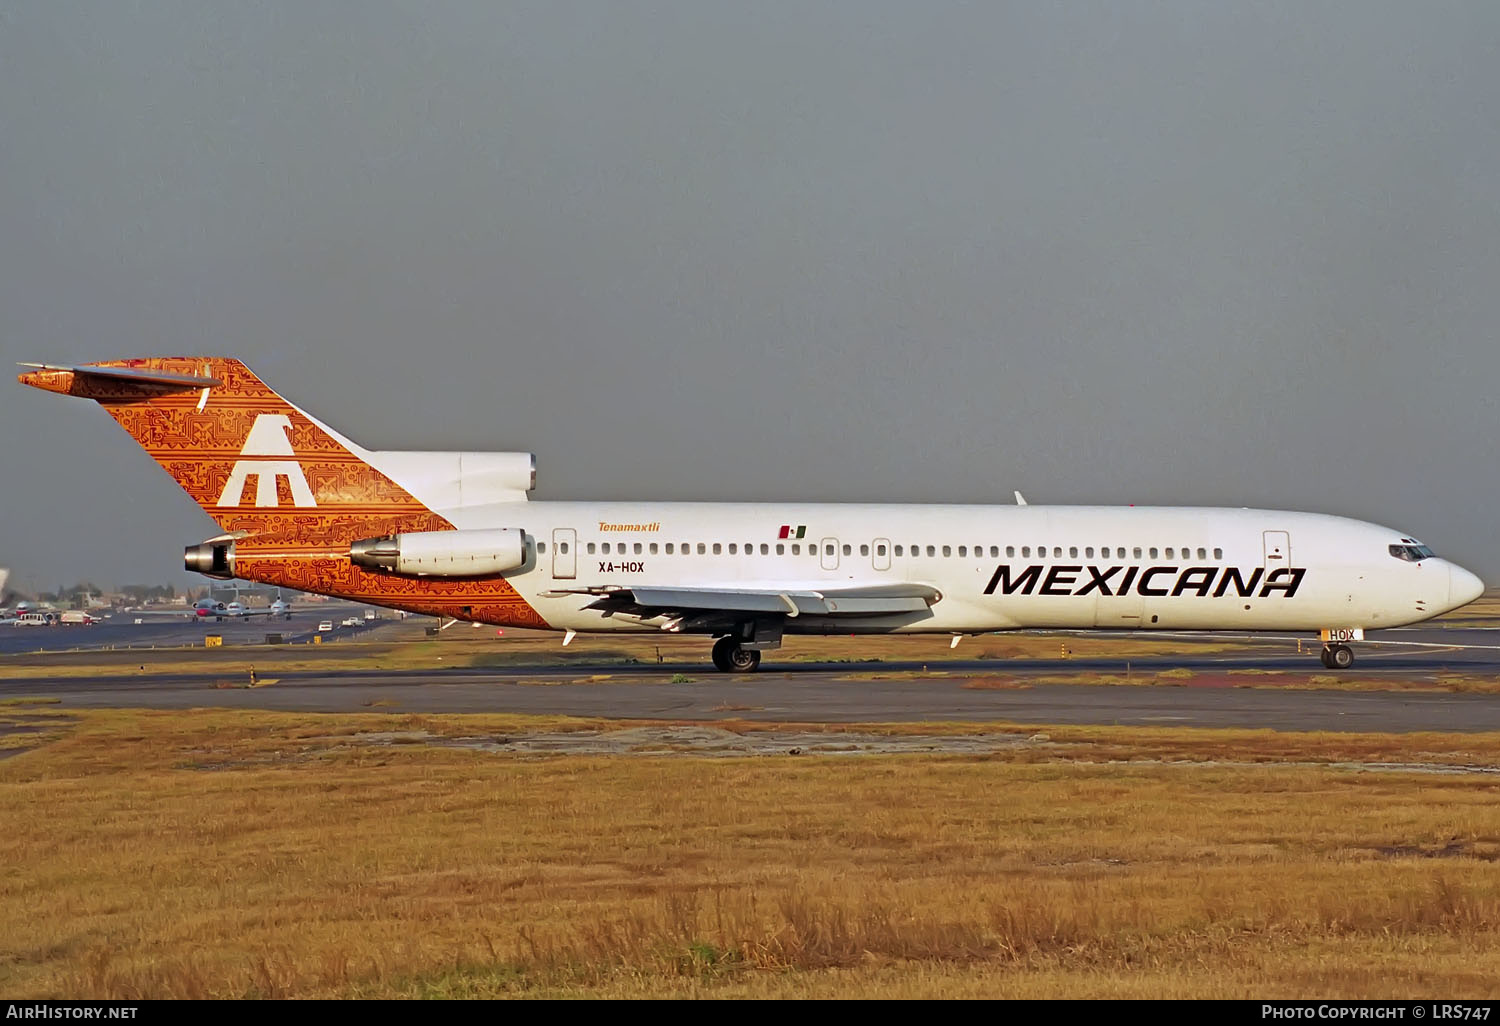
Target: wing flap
(903,598)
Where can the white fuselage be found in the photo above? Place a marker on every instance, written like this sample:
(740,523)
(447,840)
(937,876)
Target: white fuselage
(996,567)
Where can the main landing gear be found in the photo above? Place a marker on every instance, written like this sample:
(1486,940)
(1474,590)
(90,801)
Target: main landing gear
(1338,657)
(729,657)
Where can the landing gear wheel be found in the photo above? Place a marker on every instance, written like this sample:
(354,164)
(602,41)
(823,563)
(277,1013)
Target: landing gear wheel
(1338,657)
(730,658)
(1323,658)
(744,660)
(721,654)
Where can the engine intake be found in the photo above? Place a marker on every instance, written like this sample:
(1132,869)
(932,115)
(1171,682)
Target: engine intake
(443,553)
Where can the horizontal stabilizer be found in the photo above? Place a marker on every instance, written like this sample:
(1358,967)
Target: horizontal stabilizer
(76,379)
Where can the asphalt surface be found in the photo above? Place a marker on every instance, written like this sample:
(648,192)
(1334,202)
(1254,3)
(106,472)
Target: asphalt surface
(121,632)
(1220,692)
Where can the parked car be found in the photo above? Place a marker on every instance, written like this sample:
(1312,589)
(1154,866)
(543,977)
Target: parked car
(326,625)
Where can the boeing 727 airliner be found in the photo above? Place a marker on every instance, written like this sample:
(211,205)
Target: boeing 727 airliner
(453,534)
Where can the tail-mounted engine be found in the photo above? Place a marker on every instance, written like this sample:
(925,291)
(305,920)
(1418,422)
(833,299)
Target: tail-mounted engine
(443,553)
(214,558)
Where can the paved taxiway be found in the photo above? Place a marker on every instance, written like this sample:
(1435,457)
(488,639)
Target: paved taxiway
(119,632)
(948,690)
(876,692)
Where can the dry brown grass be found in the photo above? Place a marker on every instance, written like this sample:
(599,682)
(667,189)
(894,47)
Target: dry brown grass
(216,854)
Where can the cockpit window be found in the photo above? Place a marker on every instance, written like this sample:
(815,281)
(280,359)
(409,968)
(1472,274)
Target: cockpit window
(1410,553)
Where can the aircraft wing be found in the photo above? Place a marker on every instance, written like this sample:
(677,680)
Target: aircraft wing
(648,602)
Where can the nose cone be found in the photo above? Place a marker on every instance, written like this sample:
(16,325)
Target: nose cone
(1463,587)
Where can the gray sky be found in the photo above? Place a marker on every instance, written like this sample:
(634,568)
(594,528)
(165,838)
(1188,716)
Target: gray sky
(1238,254)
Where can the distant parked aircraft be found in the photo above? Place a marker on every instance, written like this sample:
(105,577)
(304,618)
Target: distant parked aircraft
(206,609)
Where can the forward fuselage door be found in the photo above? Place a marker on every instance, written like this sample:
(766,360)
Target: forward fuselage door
(564,553)
(882,554)
(828,552)
(1278,551)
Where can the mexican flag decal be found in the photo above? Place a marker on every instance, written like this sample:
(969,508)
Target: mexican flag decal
(787,531)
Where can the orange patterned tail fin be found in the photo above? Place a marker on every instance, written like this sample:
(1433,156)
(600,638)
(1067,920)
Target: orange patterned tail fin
(252,460)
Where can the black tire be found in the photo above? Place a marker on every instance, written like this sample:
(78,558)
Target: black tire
(1323,658)
(721,654)
(1340,657)
(744,660)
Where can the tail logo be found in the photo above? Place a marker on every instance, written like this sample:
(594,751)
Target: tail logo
(268,437)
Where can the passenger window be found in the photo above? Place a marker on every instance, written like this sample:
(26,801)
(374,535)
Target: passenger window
(898,550)
(828,550)
(1218,553)
(1072,551)
(562,547)
(1137,551)
(994,552)
(947,550)
(765,550)
(1010,550)
(604,548)
(701,549)
(864,550)
(796,549)
(962,552)
(637,548)
(1088,552)
(669,548)
(1153,552)
(732,550)
(653,548)
(931,550)
(847,549)
(591,548)
(1202,554)
(718,549)
(1120,553)
(1025,551)
(541,548)
(780,549)
(1169,553)
(880,550)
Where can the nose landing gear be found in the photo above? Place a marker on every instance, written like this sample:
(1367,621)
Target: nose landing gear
(1338,657)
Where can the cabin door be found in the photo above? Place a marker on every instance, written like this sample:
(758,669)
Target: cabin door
(1278,551)
(564,553)
(828,552)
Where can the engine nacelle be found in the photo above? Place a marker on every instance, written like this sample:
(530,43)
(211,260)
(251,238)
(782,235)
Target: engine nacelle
(443,553)
(214,558)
